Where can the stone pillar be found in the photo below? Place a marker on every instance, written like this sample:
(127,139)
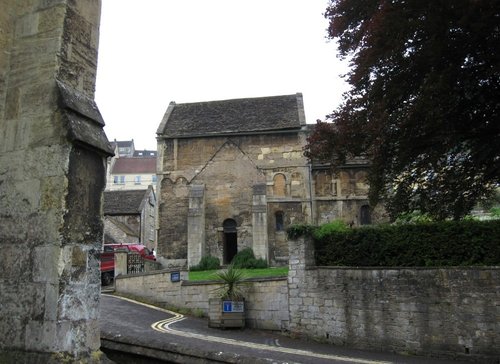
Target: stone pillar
(302,277)
(121,262)
(196,224)
(52,173)
(259,222)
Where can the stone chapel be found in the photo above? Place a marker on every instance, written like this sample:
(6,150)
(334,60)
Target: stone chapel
(232,175)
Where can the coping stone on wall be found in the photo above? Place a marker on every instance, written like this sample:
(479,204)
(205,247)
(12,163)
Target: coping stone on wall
(85,122)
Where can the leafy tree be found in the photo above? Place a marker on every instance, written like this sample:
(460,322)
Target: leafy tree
(423,104)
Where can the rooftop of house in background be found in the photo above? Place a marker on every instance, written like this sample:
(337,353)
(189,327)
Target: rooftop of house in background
(126,148)
(134,165)
(144,153)
(250,115)
(123,148)
(127,202)
(123,143)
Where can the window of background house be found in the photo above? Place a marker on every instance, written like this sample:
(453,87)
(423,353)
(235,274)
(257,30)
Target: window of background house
(154,178)
(137,180)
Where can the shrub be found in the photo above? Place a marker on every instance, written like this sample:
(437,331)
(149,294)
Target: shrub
(495,211)
(207,262)
(448,243)
(329,228)
(414,217)
(231,278)
(246,259)
(297,230)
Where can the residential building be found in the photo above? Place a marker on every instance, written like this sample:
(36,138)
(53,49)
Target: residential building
(131,169)
(129,217)
(123,148)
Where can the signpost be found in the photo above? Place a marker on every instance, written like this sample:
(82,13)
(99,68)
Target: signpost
(226,313)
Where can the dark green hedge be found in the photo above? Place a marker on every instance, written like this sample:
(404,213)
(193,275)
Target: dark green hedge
(450,243)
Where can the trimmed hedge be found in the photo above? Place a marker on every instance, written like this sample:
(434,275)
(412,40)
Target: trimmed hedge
(449,243)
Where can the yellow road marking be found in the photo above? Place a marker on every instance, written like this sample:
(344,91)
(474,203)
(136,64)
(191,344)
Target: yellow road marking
(164,327)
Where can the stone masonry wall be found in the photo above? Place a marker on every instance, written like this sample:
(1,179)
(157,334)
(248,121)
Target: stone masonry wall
(445,312)
(173,204)
(114,232)
(148,231)
(450,313)
(52,173)
(229,167)
(266,300)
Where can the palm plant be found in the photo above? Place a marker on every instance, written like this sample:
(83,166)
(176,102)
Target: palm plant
(231,278)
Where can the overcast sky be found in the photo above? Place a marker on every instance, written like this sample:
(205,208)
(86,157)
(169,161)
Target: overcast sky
(152,52)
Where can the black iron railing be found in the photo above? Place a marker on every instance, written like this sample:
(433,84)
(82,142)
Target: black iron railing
(135,263)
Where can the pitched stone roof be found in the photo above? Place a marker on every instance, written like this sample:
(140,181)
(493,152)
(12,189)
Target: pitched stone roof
(274,113)
(130,165)
(125,202)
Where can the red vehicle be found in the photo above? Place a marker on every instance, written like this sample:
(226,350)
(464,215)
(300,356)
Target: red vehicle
(108,259)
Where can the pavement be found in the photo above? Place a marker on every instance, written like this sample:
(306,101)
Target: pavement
(166,336)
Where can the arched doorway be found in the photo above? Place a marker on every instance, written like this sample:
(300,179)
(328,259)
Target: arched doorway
(230,240)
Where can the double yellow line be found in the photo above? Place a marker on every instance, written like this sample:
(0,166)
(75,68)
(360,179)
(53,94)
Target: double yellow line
(164,326)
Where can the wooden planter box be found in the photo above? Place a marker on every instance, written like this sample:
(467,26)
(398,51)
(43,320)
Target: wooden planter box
(226,313)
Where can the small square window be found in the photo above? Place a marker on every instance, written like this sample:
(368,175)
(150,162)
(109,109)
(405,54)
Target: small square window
(118,180)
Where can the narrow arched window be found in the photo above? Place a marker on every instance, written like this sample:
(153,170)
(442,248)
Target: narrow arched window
(279,185)
(279,221)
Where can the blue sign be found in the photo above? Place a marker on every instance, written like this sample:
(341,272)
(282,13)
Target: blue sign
(233,306)
(175,276)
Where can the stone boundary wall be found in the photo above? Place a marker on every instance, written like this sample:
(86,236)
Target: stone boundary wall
(452,312)
(266,299)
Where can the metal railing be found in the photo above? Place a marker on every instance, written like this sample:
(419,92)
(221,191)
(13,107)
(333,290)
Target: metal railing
(135,263)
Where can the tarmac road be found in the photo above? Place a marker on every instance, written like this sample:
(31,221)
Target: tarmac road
(157,333)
